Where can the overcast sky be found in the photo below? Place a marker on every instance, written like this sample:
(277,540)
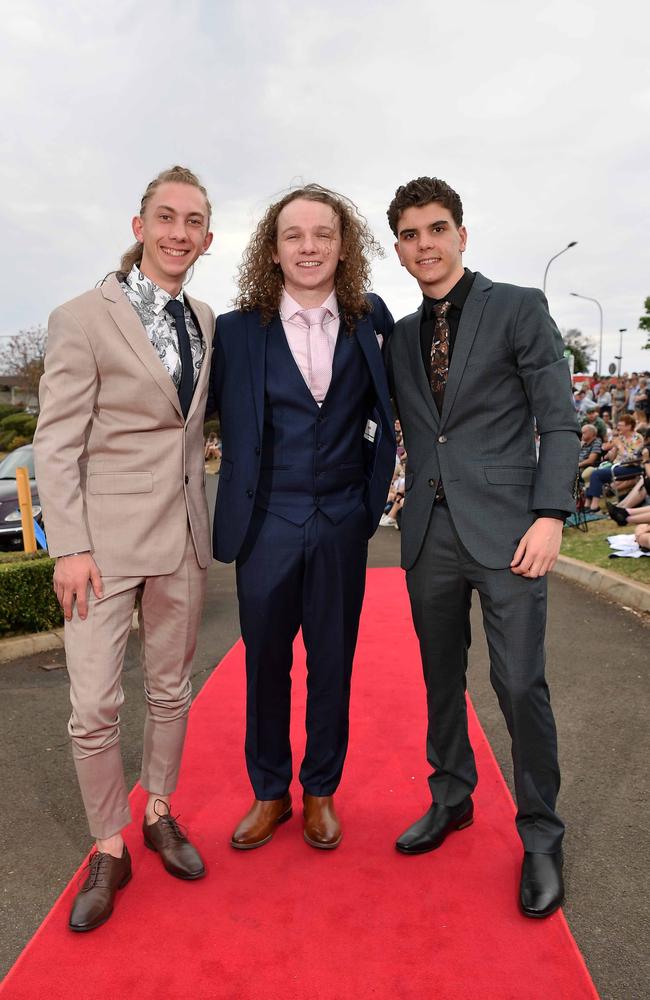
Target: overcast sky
(536,113)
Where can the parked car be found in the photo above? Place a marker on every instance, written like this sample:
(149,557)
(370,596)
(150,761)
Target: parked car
(11,530)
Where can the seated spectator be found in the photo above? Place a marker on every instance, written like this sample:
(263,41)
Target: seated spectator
(624,454)
(604,400)
(212,447)
(635,508)
(395,499)
(593,417)
(591,450)
(642,535)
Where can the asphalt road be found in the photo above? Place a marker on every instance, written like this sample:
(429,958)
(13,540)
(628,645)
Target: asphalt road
(597,669)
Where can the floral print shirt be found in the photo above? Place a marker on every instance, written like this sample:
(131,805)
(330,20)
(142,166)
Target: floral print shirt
(149,302)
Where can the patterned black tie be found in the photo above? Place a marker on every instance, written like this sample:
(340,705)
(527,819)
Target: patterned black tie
(186,385)
(440,353)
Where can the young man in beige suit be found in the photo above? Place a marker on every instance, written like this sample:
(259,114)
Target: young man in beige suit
(119,454)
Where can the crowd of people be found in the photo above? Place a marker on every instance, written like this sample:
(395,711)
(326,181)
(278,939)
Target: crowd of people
(614,461)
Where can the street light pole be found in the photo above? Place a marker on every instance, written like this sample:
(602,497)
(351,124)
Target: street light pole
(600,341)
(573,243)
(619,356)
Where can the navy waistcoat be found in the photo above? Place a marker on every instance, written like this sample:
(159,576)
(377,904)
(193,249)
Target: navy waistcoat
(313,457)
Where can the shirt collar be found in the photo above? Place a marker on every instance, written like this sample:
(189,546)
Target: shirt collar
(289,307)
(457,295)
(151,294)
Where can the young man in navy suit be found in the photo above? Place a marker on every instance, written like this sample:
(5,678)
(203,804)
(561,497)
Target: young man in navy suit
(308,452)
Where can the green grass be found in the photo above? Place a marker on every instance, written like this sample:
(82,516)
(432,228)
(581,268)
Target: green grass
(592,547)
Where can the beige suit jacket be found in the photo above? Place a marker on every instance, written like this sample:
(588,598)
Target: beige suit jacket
(119,472)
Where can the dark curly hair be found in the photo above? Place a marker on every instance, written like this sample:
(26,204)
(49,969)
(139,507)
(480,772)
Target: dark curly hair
(260,278)
(423,191)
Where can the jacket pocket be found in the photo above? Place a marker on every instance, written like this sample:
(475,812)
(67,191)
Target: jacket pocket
(100,483)
(513,475)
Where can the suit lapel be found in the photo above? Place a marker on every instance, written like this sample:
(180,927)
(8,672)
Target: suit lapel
(467,329)
(412,330)
(367,340)
(256,335)
(126,319)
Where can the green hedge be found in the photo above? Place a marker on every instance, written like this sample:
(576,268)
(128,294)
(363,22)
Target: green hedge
(16,429)
(27,601)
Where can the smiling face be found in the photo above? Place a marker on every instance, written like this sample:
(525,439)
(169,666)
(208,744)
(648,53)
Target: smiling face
(308,250)
(174,232)
(430,246)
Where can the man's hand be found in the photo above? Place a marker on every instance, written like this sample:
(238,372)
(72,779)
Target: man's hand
(71,577)
(538,550)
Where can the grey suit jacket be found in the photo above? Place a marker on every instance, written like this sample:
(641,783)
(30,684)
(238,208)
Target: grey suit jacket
(507,370)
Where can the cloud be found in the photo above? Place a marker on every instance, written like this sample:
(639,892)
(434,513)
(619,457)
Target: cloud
(535,114)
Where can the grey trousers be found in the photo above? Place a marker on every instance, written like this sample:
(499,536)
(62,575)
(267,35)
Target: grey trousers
(440,586)
(169,615)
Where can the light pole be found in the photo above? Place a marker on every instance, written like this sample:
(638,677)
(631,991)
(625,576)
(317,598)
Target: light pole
(619,356)
(573,243)
(600,341)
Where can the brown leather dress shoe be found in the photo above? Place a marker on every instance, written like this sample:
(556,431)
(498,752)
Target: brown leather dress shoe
(93,903)
(260,822)
(322,826)
(180,858)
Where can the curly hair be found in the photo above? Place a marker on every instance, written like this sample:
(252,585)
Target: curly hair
(423,191)
(261,280)
(178,175)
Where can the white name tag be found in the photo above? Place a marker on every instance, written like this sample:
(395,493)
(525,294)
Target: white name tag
(370,431)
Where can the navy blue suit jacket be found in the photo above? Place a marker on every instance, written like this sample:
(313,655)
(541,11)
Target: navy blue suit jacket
(237,393)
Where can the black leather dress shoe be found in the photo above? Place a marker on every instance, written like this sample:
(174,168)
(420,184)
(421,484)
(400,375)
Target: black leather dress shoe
(93,903)
(541,891)
(429,832)
(165,836)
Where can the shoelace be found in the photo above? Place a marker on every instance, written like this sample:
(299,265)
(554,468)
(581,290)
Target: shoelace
(96,869)
(171,828)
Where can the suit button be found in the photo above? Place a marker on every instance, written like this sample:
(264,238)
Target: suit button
(257,450)
(442,439)
(432,483)
(249,493)
(187,479)
(318,447)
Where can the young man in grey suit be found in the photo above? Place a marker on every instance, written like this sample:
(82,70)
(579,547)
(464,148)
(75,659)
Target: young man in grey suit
(472,371)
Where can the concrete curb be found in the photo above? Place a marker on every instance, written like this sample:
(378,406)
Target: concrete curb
(603,581)
(37,642)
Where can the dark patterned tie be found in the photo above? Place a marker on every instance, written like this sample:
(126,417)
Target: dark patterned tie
(440,353)
(186,385)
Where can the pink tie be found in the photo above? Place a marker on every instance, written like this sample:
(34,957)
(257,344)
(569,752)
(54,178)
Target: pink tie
(320,353)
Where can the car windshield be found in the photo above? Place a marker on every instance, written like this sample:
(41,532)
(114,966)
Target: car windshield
(14,460)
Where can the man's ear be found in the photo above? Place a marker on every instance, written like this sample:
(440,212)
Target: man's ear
(396,245)
(137,227)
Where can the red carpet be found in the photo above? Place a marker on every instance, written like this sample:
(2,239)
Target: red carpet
(287,921)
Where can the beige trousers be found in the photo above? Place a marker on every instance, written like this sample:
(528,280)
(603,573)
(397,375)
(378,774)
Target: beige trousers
(169,610)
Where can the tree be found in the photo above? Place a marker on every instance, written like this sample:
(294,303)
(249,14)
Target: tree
(581,347)
(644,323)
(24,358)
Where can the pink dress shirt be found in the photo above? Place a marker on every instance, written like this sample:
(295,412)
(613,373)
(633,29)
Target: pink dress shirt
(298,337)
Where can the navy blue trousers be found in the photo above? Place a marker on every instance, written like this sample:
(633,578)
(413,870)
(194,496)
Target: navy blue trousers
(312,577)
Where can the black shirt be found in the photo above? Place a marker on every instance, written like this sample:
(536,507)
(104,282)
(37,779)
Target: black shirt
(457,296)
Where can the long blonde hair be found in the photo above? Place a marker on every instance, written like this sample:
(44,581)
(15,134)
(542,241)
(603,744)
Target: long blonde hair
(178,175)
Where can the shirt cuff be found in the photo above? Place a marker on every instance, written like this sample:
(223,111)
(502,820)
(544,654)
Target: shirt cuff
(560,515)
